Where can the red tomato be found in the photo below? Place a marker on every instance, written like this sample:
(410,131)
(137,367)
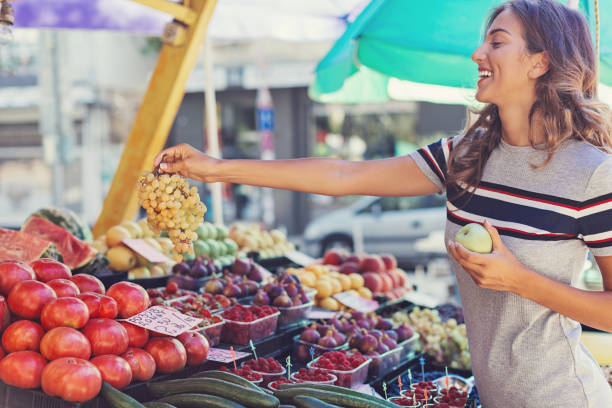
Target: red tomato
(196,346)
(131,298)
(22,369)
(64,287)
(22,335)
(92,300)
(115,370)
(88,283)
(106,336)
(72,379)
(5,314)
(169,354)
(13,272)
(27,298)
(139,336)
(65,311)
(141,362)
(108,307)
(65,342)
(47,269)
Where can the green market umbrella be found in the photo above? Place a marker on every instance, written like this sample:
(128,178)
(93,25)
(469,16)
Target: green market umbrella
(394,44)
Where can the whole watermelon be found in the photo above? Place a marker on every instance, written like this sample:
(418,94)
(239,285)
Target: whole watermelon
(66,219)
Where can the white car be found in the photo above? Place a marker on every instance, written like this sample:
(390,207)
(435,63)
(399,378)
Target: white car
(383,224)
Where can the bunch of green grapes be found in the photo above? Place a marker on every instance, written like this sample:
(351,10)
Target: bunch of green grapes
(445,341)
(171,206)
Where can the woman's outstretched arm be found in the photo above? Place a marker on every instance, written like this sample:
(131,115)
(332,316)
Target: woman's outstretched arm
(397,176)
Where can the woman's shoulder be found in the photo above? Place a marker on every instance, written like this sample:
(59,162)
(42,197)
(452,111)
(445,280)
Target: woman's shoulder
(583,154)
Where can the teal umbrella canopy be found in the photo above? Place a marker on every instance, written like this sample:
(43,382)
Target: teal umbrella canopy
(426,42)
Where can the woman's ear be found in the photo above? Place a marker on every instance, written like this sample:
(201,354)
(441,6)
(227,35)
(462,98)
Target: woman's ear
(539,65)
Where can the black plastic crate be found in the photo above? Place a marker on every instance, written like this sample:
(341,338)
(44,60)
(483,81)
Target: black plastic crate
(109,277)
(151,283)
(414,365)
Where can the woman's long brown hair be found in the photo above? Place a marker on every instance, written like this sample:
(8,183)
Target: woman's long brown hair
(566,96)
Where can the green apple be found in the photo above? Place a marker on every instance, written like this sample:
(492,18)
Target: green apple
(201,248)
(214,248)
(221,231)
(232,247)
(212,230)
(202,231)
(474,237)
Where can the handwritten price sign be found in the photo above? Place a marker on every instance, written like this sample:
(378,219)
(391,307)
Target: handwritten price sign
(164,320)
(151,254)
(224,356)
(355,302)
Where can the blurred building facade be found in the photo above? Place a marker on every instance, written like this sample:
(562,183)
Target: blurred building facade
(68,99)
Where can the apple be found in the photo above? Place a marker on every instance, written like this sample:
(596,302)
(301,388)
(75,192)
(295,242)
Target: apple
(474,237)
(332,257)
(349,267)
(12,272)
(389,261)
(47,269)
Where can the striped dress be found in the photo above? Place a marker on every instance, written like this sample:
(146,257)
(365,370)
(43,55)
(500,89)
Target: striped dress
(523,354)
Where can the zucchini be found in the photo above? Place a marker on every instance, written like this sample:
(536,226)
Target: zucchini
(117,399)
(304,401)
(225,376)
(212,386)
(157,404)
(199,401)
(341,390)
(342,400)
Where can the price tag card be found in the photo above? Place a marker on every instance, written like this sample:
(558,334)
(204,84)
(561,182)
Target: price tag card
(366,389)
(421,299)
(147,251)
(317,313)
(355,302)
(164,320)
(299,258)
(224,356)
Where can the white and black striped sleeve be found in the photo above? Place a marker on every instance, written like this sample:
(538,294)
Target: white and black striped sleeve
(596,211)
(432,160)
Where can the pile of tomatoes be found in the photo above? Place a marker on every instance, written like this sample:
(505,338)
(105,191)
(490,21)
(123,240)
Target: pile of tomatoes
(59,333)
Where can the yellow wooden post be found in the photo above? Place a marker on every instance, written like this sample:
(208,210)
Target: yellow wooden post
(154,119)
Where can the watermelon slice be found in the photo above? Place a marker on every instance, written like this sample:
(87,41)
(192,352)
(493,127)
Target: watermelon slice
(19,246)
(75,252)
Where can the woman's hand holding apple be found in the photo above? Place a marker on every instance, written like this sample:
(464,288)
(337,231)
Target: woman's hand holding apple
(498,270)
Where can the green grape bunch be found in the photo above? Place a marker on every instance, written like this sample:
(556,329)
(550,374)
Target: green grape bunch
(171,206)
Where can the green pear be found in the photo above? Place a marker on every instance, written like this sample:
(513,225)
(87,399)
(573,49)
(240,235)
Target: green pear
(474,237)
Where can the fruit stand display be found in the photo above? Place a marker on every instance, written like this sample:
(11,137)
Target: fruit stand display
(69,340)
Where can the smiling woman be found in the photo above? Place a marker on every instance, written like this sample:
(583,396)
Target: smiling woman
(535,170)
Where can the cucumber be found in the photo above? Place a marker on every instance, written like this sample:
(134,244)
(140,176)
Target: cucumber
(225,376)
(342,400)
(199,401)
(304,401)
(341,390)
(212,386)
(157,404)
(117,399)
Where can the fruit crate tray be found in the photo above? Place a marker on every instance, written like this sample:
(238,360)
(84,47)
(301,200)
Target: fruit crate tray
(272,264)
(388,308)
(415,367)
(270,345)
(151,283)
(109,277)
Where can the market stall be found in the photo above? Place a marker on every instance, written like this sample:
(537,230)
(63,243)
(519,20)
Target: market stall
(172,310)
